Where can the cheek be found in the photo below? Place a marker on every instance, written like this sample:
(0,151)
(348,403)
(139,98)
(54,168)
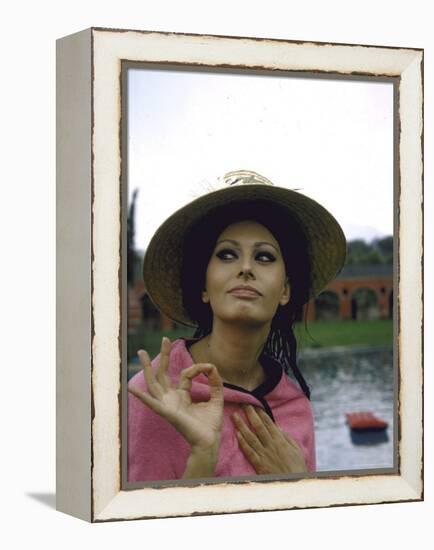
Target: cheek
(281,289)
(214,277)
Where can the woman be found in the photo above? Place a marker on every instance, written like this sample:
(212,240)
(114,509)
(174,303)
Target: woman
(237,263)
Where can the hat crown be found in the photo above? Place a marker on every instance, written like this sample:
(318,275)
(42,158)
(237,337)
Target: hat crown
(242,177)
(163,270)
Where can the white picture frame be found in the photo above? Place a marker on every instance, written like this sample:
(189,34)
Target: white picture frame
(90,379)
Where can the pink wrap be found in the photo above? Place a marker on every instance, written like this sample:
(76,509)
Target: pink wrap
(156,451)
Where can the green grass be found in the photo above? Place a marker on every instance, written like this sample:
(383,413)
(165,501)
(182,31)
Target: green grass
(150,340)
(319,334)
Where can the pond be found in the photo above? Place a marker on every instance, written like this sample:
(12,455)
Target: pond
(354,380)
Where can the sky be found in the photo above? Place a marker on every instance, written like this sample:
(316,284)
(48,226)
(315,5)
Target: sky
(329,139)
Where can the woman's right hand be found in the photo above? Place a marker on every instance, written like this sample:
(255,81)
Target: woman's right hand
(199,423)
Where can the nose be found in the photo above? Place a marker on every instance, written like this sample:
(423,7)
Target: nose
(246,271)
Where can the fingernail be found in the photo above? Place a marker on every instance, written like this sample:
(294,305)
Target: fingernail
(144,353)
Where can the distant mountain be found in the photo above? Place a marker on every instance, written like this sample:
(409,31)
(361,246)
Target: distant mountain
(364,232)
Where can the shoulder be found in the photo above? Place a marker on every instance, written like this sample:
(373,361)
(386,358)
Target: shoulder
(287,394)
(293,387)
(278,384)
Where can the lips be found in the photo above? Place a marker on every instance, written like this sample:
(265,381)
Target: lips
(245,291)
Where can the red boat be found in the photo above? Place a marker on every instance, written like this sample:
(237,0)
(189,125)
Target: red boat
(365,421)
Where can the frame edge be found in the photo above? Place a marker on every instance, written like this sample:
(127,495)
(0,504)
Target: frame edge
(73,275)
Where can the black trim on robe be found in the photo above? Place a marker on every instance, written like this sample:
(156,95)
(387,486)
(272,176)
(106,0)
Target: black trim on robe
(273,373)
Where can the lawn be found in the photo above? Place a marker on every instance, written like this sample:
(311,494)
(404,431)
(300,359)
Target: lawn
(344,333)
(317,334)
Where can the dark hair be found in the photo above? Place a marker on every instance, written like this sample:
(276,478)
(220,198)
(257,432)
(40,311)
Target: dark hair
(198,248)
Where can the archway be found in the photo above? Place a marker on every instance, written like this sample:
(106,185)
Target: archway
(364,305)
(327,306)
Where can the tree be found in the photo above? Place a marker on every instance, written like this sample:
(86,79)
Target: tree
(380,251)
(385,247)
(131,254)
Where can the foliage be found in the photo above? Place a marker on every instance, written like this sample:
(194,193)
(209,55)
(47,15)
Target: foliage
(379,251)
(132,256)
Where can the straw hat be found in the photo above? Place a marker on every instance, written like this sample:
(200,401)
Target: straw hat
(162,268)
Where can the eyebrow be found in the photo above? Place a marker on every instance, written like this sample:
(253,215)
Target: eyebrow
(256,244)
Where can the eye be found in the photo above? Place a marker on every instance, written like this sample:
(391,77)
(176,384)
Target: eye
(226,254)
(265,256)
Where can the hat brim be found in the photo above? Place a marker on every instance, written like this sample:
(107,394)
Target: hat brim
(163,258)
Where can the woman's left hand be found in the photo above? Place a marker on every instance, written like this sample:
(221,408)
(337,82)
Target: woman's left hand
(267,448)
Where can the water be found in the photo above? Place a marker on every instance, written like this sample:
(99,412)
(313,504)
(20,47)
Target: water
(353,381)
(350,382)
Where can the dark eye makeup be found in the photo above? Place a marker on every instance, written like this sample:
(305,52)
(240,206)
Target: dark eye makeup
(263,256)
(226,254)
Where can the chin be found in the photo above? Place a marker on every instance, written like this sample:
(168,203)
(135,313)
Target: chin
(246,318)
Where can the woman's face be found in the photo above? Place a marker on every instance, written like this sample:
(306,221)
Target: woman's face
(245,278)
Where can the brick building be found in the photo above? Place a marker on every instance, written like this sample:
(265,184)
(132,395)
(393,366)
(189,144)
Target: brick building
(360,292)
